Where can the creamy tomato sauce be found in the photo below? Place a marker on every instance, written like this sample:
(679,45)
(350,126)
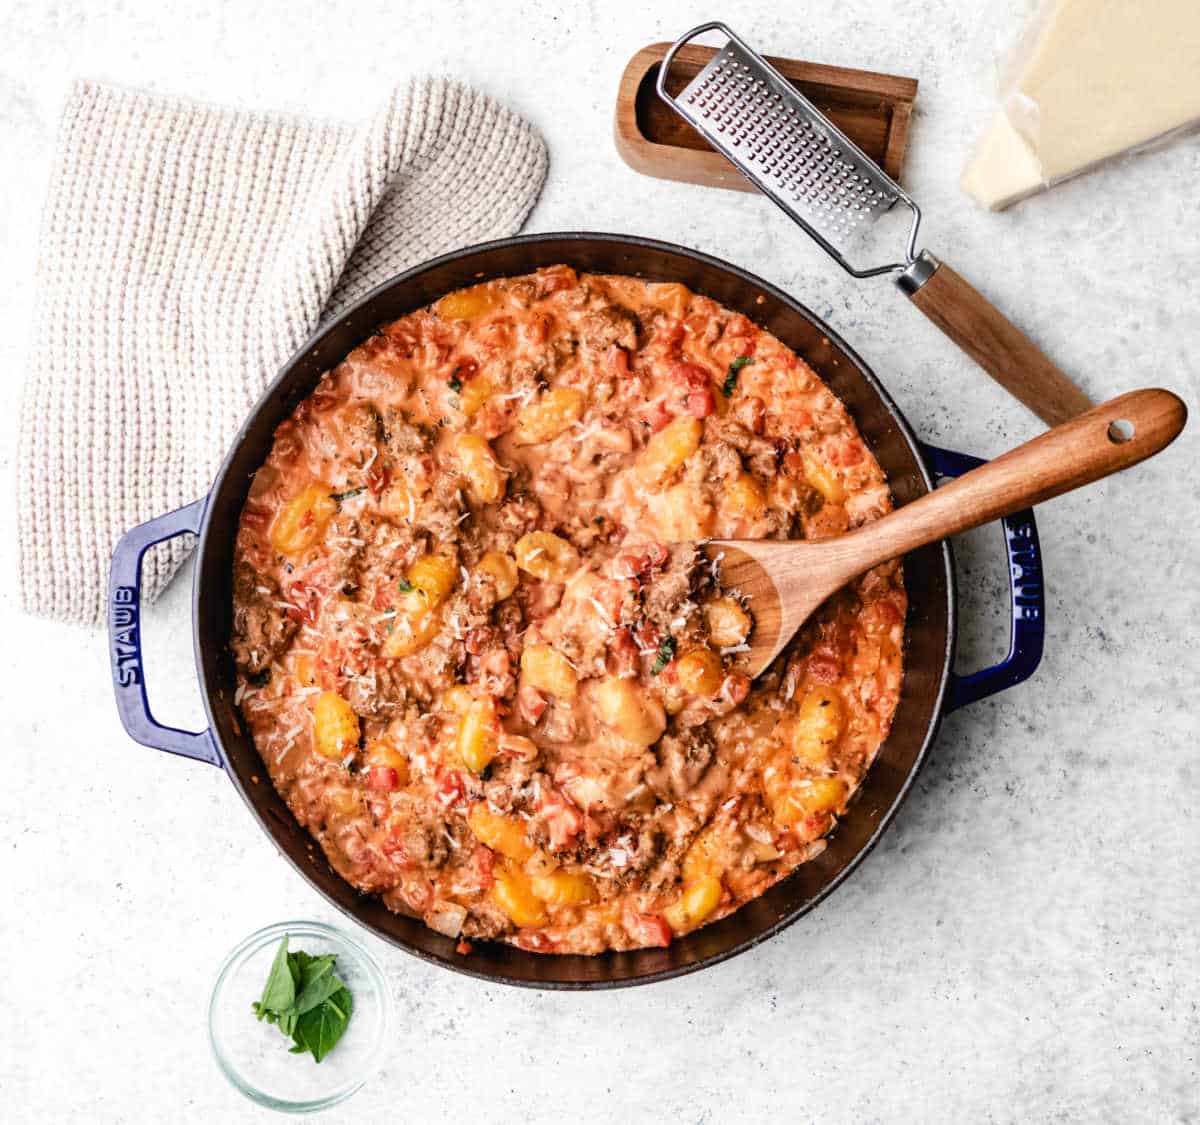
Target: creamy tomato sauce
(478,653)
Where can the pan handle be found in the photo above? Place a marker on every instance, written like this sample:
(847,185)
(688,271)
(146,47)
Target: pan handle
(1027,593)
(125,637)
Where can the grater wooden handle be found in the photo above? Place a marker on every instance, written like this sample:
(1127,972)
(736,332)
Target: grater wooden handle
(993,341)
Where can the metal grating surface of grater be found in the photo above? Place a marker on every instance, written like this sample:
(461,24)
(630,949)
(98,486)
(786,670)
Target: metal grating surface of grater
(789,150)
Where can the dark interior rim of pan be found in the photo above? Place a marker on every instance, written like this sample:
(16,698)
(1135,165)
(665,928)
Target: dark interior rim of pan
(930,628)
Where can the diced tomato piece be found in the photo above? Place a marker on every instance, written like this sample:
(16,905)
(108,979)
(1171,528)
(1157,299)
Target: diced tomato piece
(656,415)
(378,478)
(383,778)
(632,568)
(797,420)
(669,334)
(610,595)
(848,452)
(464,947)
(403,336)
(648,929)
(823,669)
(701,403)
(627,566)
(465,369)
(563,820)
(690,376)
(554,278)
(451,788)
(619,358)
(305,599)
(393,845)
(531,704)
(751,412)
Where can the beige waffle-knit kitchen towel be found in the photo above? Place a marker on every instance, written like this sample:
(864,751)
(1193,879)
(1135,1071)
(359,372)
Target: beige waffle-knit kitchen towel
(186,252)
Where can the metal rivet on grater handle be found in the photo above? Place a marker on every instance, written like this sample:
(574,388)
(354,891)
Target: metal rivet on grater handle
(789,150)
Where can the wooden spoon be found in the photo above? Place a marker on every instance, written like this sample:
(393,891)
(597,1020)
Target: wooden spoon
(786,580)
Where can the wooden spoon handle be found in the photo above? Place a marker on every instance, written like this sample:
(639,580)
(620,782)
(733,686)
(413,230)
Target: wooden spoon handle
(1109,437)
(998,346)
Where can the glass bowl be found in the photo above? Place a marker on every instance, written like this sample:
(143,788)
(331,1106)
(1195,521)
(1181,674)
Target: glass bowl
(254,1056)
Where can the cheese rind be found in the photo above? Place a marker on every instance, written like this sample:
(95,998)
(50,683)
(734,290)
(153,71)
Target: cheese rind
(1102,77)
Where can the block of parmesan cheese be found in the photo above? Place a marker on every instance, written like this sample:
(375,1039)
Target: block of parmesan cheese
(1097,78)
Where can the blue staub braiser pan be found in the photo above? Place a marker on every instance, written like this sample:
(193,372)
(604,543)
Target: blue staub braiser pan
(930,688)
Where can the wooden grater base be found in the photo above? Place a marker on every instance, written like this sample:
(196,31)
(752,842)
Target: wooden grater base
(872,109)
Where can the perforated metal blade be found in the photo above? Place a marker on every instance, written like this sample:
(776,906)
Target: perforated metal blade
(792,152)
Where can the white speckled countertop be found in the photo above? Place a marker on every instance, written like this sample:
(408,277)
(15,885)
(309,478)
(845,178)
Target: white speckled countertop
(1022,945)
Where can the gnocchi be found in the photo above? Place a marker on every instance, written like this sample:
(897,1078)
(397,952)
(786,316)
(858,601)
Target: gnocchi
(479,654)
(302,521)
(549,416)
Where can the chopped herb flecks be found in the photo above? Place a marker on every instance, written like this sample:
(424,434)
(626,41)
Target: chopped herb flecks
(340,496)
(732,376)
(666,653)
(406,587)
(454,382)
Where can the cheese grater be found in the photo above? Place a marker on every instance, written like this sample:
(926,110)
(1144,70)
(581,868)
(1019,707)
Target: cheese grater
(858,214)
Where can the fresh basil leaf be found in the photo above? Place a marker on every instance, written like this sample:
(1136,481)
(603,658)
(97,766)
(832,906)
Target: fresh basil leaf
(306,1000)
(295,967)
(279,993)
(666,653)
(732,375)
(317,1031)
(317,991)
(315,967)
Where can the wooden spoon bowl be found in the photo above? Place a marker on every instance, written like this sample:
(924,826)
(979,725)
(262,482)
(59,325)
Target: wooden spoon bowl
(786,580)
